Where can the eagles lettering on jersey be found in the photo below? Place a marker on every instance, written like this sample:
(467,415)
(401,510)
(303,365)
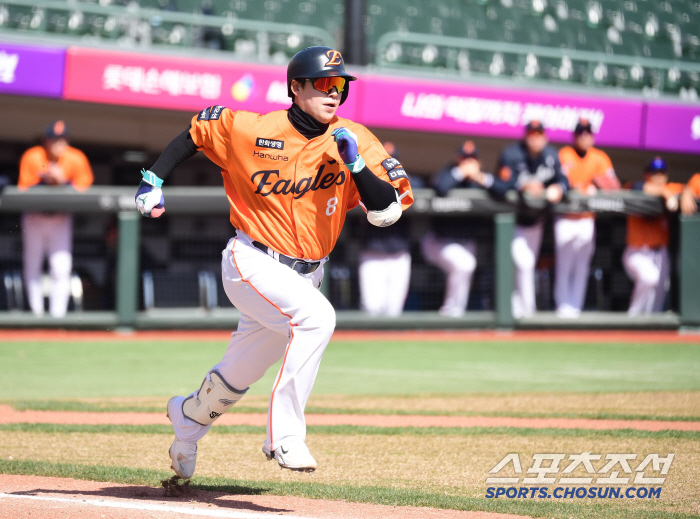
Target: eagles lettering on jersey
(394,169)
(211,114)
(268,182)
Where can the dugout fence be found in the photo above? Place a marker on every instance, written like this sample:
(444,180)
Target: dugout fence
(139,303)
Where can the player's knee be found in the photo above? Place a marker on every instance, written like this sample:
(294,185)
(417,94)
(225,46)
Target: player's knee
(649,278)
(322,318)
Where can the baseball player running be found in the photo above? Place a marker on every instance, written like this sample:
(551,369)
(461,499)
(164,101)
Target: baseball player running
(290,177)
(588,169)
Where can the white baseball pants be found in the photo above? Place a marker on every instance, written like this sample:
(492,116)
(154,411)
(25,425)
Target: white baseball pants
(384,280)
(525,249)
(649,269)
(457,259)
(574,241)
(52,236)
(284,316)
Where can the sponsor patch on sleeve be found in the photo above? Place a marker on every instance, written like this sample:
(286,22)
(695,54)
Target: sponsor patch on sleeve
(211,114)
(394,169)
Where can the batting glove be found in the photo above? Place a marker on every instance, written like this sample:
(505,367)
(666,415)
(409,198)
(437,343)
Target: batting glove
(149,197)
(347,147)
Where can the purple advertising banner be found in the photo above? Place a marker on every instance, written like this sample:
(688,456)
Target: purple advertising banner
(474,110)
(33,71)
(673,128)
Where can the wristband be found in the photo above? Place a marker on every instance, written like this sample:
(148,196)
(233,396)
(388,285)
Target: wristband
(151,178)
(357,166)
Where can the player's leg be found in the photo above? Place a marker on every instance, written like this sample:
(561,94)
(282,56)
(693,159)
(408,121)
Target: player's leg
(525,249)
(641,268)
(33,247)
(662,261)
(398,276)
(60,263)
(584,249)
(458,261)
(564,239)
(371,277)
(291,305)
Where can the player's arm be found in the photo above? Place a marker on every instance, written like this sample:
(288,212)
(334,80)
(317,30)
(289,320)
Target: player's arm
(29,171)
(558,186)
(504,180)
(379,197)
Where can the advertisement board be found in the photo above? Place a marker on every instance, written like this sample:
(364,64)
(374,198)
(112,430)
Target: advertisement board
(176,83)
(31,71)
(672,128)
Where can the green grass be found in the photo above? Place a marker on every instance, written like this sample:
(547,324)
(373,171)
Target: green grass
(36,370)
(360,430)
(362,494)
(91,407)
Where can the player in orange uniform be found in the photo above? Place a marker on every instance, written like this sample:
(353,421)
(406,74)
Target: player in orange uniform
(646,256)
(290,177)
(588,169)
(53,163)
(690,194)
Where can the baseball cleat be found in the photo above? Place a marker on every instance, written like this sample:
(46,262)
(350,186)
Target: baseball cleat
(183,455)
(293,455)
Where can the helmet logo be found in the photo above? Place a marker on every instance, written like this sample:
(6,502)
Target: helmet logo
(334,58)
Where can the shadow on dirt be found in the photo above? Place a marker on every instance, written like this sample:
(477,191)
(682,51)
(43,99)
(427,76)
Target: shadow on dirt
(219,496)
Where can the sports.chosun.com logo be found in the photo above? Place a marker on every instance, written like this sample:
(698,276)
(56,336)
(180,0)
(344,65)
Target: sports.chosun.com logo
(602,477)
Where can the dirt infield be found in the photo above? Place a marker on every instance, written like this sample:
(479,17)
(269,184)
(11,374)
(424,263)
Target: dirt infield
(591,336)
(9,415)
(52,498)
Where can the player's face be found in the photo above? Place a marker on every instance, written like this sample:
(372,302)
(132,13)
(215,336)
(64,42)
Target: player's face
(535,142)
(54,147)
(659,178)
(319,105)
(584,141)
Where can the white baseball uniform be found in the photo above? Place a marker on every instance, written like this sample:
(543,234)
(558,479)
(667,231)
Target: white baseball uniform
(525,249)
(649,269)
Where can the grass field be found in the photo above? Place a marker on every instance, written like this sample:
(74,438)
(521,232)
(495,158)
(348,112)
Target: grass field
(437,467)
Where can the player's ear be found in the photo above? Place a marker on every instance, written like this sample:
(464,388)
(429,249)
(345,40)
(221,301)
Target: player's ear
(296,87)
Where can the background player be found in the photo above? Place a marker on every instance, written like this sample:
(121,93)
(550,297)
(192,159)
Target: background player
(450,245)
(290,177)
(385,263)
(646,256)
(532,168)
(588,169)
(53,163)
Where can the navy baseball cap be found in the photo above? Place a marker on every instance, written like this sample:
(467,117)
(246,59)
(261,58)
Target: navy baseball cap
(468,150)
(583,126)
(534,126)
(56,130)
(656,165)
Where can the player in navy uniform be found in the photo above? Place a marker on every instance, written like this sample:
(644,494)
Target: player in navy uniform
(531,167)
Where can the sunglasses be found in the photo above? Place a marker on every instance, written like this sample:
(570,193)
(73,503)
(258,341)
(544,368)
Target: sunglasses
(327,84)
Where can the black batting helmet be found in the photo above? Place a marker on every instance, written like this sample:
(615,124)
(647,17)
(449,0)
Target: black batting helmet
(314,62)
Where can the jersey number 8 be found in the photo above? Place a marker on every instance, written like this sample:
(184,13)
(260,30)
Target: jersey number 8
(332,204)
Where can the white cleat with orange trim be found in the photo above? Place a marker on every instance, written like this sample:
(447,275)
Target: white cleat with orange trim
(292,455)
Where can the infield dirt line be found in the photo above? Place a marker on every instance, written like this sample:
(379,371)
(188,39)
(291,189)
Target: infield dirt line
(9,415)
(589,336)
(53,498)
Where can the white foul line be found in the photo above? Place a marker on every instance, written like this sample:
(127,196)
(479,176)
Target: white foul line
(156,508)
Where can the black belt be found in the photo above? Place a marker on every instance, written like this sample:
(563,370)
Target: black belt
(297,265)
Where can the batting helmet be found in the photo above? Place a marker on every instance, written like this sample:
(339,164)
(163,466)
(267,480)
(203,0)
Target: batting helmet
(314,62)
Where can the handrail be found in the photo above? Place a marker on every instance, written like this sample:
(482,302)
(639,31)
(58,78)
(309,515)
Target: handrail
(193,19)
(518,48)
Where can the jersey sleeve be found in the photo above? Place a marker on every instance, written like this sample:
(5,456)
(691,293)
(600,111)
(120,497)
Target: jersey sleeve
(559,176)
(211,132)
(694,185)
(385,167)
(82,176)
(30,166)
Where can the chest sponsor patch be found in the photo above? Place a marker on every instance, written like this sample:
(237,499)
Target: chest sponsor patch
(394,169)
(211,114)
(269,143)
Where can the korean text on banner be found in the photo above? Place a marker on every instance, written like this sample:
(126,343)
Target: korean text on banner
(31,71)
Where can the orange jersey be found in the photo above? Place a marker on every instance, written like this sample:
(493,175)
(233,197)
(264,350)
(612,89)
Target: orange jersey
(286,191)
(694,185)
(582,171)
(651,232)
(72,161)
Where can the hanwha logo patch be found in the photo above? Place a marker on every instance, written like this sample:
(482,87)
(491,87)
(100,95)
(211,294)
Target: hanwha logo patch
(334,58)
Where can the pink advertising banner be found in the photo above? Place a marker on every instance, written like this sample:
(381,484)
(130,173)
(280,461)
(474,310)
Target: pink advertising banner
(673,128)
(474,110)
(176,83)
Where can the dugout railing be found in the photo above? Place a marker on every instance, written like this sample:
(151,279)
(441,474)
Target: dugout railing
(212,201)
